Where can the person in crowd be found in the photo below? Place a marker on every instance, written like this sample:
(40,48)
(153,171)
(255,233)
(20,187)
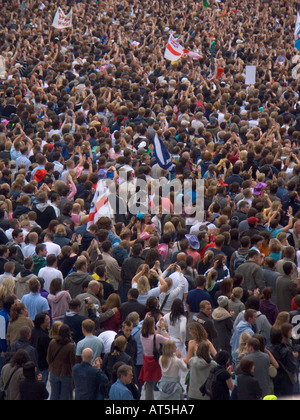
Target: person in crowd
(100,119)
(61,359)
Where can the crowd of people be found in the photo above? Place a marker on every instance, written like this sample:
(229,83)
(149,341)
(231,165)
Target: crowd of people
(123,306)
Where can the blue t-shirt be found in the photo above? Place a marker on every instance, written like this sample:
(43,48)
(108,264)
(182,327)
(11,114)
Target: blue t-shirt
(35,304)
(195,296)
(119,391)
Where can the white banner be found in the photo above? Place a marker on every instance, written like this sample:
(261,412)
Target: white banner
(62,21)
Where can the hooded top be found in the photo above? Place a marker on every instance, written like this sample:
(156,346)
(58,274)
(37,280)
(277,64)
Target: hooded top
(73,282)
(223,324)
(199,371)
(241,327)
(21,283)
(59,304)
(220,314)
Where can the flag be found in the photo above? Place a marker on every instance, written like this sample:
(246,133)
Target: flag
(61,20)
(100,205)
(194,55)
(161,153)
(206,3)
(173,49)
(297,32)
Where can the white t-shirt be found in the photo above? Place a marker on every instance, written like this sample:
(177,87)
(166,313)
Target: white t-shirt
(48,274)
(107,337)
(52,248)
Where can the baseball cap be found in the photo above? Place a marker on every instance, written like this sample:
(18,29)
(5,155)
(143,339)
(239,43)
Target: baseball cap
(252,220)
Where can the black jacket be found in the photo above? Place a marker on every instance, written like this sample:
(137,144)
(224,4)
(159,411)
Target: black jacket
(129,269)
(248,387)
(132,305)
(40,340)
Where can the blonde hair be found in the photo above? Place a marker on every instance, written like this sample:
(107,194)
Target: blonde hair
(120,344)
(169,228)
(7,287)
(113,301)
(208,257)
(237,292)
(211,276)
(167,352)
(60,230)
(143,285)
(281,319)
(275,245)
(54,331)
(244,338)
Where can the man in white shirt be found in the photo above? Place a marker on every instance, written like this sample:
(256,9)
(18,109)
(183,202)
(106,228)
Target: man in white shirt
(176,276)
(52,248)
(50,272)
(29,250)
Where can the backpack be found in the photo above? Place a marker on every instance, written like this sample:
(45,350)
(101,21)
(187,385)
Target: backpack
(239,259)
(209,385)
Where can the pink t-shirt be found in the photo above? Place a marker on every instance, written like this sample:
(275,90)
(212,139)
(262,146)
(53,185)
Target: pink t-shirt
(147,343)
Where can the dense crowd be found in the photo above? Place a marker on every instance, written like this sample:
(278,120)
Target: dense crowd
(98,302)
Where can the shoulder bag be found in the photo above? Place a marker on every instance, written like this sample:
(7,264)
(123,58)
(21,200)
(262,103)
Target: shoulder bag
(3,391)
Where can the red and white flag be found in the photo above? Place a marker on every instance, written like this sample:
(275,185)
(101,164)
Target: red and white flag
(100,206)
(194,55)
(174,50)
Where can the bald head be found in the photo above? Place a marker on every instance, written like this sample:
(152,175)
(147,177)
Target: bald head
(87,355)
(94,286)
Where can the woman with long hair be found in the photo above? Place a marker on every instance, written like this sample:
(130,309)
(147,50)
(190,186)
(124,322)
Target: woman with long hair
(281,319)
(200,366)
(7,288)
(67,258)
(286,358)
(18,318)
(40,340)
(198,334)
(60,236)
(171,366)
(206,263)
(61,359)
(151,371)
(141,282)
(177,322)
(117,354)
(225,289)
(12,373)
(113,323)
(211,282)
(58,300)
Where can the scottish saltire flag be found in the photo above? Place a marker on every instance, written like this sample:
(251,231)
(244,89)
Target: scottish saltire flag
(297,32)
(161,153)
(173,49)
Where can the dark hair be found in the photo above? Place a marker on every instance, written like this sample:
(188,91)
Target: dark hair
(29,370)
(246,365)
(134,293)
(287,267)
(177,309)
(275,336)
(254,342)
(20,358)
(39,319)
(64,336)
(51,259)
(200,280)
(106,245)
